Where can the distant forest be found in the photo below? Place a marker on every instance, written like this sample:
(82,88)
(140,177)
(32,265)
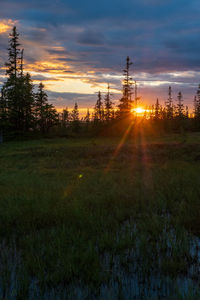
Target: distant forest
(26,112)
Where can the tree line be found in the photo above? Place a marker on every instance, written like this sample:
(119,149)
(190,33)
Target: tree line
(22,109)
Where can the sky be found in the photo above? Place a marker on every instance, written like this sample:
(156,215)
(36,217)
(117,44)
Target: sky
(77,47)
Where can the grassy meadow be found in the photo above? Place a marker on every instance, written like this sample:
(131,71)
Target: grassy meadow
(100,218)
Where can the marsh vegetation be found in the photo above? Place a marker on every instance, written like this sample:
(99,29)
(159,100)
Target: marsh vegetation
(100,219)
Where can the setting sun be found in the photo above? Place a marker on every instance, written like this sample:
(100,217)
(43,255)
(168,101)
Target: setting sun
(139,110)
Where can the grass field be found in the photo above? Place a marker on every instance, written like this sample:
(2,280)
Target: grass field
(100,218)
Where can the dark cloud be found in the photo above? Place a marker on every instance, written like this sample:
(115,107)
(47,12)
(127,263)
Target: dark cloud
(44,78)
(160,36)
(99,35)
(90,37)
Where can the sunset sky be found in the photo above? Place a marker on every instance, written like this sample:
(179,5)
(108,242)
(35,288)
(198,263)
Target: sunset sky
(77,47)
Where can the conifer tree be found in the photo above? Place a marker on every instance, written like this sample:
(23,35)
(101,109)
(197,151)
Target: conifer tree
(28,102)
(157,110)
(145,113)
(45,113)
(51,116)
(13,55)
(22,63)
(65,117)
(41,101)
(75,119)
(113,114)
(4,122)
(180,106)
(13,86)
(17,97)
(197,105)
(108,105)
(151,112)
(87,119)
(187,112)
(169,105)
(163,114)
(98,109)
(126,102)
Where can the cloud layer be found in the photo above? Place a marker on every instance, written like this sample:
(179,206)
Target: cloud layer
(76,47)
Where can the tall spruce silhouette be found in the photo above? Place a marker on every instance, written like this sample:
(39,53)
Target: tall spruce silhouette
(157,110)
(98,109)
(75,118)
(169,105)
(45,114)
(108,105)
(12,88)
(126,101)
(65,117)
(180,106)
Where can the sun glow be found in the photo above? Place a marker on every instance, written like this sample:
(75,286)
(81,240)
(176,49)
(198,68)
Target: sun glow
(139,110)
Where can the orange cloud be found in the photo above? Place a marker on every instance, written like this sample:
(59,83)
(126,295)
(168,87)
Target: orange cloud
(6,25)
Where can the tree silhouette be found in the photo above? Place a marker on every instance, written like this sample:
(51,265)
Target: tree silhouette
(157,110)
(65,117)
(169,105)
(180,106)
(126,102)
(28,103)
(46,115)
(75,119)
(98,109)
(20,109)
(108,105)
(197,104)
(13,86)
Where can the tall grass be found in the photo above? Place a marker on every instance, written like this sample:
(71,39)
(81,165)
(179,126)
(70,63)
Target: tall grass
(78,221)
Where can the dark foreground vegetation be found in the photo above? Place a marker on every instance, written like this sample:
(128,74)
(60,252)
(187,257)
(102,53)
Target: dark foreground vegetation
(100,218)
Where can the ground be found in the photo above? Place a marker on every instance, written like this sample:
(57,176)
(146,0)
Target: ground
(100,216)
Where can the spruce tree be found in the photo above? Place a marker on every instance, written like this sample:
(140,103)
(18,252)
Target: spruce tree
(28,103)
(87,119)
(41,101)
(187,112)
(98,109)
(45,113)
(126,102)
(169,105)
(13,55)
(13,86)
(4,122)
(65,117)
(197,105)
(51,116)
(75,119)
(180,106)
(157,110)
(108,105)
(17,98)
